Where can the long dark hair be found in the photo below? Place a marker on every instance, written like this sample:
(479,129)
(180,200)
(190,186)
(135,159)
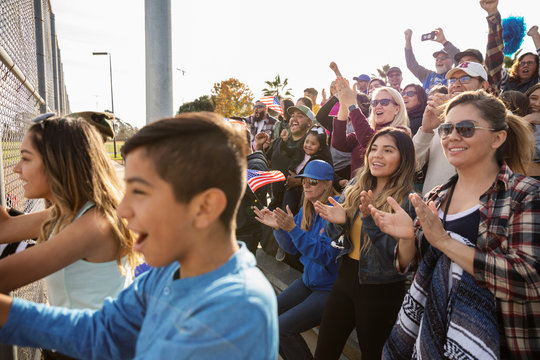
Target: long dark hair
(422,98)
(400,183)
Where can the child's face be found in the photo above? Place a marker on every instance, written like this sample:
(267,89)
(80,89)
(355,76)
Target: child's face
(163,226)
(311,144)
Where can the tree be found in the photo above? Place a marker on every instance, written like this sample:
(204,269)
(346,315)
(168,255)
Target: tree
(232,97)
(509,61)
(122,129)
(203,103)
(382,73)
(276,88)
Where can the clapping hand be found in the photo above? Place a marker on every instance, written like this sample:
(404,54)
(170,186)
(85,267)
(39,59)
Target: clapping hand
(266,217)
(334,214)
(398,224)
(366,199)
(429,220)
(285,220)
(432,114)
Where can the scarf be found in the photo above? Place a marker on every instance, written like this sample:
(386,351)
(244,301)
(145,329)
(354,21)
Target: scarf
(444,317)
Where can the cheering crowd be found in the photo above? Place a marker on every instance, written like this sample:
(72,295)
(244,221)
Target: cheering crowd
(412,211)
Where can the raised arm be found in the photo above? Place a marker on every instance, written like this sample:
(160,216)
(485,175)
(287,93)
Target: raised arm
(495,42)
(419,71)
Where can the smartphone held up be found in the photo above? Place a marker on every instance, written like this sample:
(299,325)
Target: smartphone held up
(429,36)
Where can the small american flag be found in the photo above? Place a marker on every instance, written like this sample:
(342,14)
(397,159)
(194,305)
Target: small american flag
(257,178)
(235,122)
(272,102)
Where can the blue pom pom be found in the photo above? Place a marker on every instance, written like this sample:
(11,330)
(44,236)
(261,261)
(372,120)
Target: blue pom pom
(514,30)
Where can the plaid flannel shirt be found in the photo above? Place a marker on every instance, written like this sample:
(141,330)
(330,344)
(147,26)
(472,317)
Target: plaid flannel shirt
(497,76)
(507,257)
(268,126)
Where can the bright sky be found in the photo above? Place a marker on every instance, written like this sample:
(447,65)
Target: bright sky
(254,41)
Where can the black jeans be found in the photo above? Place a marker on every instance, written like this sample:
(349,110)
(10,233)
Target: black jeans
(372,308)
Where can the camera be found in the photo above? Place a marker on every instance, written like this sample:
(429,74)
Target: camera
(428,36)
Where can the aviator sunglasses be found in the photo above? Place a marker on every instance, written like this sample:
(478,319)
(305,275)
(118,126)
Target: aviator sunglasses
(383,102)
(312,182)
(464,128)
(409,93)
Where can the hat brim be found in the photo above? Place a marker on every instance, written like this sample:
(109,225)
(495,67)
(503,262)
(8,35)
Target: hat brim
(313,176)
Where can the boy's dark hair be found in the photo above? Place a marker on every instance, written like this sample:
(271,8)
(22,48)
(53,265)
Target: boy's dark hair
(306,101)
(194,152)
(311,91)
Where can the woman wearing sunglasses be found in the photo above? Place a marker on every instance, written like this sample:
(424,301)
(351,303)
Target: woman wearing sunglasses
(368,291)
(301,305)
(415,100)
(476,244)
(387,109)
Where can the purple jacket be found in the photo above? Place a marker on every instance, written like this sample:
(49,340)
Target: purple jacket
(355,142)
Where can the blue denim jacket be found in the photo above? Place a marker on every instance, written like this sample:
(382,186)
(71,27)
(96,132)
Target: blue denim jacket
(376,266)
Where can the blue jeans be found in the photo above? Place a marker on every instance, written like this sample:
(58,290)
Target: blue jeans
(299,309)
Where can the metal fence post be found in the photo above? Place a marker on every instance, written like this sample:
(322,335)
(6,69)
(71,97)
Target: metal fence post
(40,53)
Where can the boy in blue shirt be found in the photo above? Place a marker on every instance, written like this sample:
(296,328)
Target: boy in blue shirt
(205,298)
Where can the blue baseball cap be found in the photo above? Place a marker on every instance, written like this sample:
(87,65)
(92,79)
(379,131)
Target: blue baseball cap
(362,77)
(319,170)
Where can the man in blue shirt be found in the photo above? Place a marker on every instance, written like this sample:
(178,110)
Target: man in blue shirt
(205,298)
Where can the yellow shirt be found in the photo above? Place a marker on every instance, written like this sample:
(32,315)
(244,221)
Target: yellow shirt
(356,230)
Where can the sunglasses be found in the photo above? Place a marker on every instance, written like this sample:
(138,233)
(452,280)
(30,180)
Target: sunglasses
(464,128)
(383,102)
(259,106)
(409,93)
(528,63)
(312,182)
(465,79)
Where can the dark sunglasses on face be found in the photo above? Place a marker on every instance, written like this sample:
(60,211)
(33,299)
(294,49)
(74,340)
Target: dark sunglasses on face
(409,93)
(312,182)
(259,106)
(464,128)
(383,102)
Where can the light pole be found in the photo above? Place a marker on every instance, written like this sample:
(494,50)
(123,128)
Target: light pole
(112,97)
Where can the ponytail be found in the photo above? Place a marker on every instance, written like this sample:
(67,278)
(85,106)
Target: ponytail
(518,148)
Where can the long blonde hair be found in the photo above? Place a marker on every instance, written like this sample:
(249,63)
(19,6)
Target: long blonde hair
(399,185)
(79,170)
(401,119)
(309,209)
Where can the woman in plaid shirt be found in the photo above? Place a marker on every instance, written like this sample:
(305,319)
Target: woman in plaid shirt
(476,242)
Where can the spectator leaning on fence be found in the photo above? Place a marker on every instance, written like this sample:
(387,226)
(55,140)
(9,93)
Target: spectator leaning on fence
(204,297)
(84,249)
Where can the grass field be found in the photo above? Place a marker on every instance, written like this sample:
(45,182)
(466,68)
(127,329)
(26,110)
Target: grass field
(110,149)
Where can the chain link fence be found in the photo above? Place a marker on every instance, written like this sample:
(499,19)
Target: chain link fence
(31,82)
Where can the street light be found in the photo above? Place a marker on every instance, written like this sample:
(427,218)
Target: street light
(112,98)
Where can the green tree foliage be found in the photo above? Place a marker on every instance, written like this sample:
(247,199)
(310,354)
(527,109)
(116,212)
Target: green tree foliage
(203,103)
(122,129)
(382,73)
(232,97)
(277,88)
(509,61)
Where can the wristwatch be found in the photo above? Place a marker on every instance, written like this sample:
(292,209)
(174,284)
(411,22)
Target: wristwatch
(352,107)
